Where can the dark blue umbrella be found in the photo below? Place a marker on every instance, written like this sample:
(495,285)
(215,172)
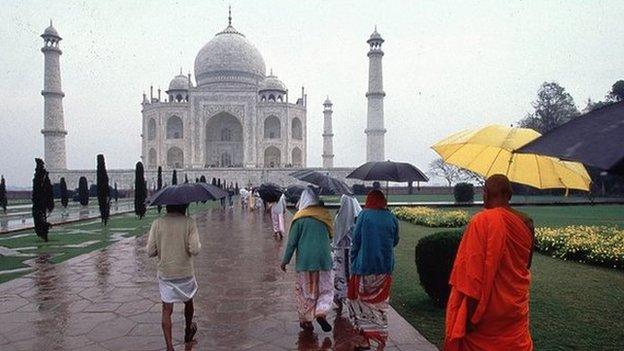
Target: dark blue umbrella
(595,139)
(293,193)
(186,193)
(270,192)
(324,181)
(389,171)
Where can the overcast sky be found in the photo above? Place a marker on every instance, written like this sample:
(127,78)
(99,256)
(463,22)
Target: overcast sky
(449,66)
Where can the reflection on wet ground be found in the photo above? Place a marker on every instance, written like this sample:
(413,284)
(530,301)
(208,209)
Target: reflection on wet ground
(109,300)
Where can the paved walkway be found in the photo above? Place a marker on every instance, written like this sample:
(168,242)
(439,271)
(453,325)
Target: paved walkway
(109,300)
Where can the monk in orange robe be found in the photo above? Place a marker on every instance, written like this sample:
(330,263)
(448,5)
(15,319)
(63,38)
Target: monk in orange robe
(488,308)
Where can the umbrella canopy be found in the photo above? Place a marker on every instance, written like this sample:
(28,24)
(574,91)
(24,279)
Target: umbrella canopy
(595,139)
(324,181)
(185,193)
(389,171)
(270,192)
(293,193)
(491,150)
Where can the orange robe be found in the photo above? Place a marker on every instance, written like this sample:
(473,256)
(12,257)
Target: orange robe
(491,267)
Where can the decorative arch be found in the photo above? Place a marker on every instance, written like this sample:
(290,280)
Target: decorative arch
(272,128)
(175,128)
(224,136)
(151,158)
(297,157)
(296,129)
(151,129)
(272,157)
(175,157)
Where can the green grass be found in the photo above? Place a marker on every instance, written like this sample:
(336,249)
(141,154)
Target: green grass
(124,226)
(573,306)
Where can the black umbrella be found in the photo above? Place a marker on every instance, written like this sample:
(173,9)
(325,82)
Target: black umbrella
(595,139)
(293,193)
(389,171)
(324,181)
(270,192)
(185,193)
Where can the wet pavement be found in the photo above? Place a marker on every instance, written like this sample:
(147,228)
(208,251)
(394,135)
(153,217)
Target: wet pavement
(109,299)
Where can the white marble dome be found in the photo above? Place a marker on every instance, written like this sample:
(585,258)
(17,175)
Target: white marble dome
(229,58)
(179,82)
(272,83)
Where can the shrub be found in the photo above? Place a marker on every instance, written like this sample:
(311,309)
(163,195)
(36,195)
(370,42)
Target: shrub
(83,191)
(431,217)
(435,254)
(599,245)
(463,192)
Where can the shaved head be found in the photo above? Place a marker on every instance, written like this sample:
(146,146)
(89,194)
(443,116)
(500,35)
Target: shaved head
(497,191)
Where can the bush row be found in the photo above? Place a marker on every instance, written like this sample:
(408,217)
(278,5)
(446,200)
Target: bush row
(431,217)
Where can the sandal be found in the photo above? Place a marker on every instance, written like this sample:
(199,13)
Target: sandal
(189,333)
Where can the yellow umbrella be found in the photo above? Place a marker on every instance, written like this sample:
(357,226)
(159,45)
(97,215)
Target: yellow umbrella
(489,150)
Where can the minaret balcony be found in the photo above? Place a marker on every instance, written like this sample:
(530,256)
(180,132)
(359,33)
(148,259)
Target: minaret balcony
(379,94)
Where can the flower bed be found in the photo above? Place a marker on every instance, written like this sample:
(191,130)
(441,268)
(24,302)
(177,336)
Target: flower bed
(431,217)
(600,245)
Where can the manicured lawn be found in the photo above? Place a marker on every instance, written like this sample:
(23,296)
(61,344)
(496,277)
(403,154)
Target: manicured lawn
(71,240)
(573,306)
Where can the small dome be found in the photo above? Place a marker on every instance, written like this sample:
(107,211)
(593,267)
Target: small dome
(229,57)
(375,36)
(327,102)
(50,32)
(272,83)
(179,82)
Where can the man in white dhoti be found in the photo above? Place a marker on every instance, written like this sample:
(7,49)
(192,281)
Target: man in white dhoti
(174,239)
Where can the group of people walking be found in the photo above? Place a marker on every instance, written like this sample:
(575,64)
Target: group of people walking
(344,262)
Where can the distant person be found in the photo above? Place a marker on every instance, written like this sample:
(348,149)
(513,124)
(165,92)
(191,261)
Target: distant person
(310,235)
(278,210)
(244,198)
(488,308)
(341,245)
(230,197)
(174,239)
(375,235)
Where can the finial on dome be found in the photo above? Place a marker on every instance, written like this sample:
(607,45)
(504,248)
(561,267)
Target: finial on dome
(180,70)
(271,71)
(229,15)
(50,22)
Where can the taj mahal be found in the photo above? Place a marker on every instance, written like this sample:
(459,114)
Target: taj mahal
(229,120)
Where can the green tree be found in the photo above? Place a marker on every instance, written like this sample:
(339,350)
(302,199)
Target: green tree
(159,184)
(448,172)
(103,191)
(185,179)
(83,191)
(553,107)
(140,191)
(3,194)
(40,200)
(617,91)
(116,192)
(64,195)
(174,178)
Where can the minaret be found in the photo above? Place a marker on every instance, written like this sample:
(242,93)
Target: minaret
(53,121)
(375,130)
(328,135)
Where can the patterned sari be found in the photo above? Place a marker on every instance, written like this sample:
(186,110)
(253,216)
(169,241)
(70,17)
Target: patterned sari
(314,293)
(368,305)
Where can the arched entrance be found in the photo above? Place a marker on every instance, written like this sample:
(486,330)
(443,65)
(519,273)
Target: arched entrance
(272,157)
(224,141)
(175,158)
(296,157)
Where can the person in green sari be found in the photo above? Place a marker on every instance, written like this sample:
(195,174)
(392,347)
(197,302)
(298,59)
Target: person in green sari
(310,236)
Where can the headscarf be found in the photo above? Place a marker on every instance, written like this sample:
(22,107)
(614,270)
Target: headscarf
(308,198)
(345,220)
(376,200)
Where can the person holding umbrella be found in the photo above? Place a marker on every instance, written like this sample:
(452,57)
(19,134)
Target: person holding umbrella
(372,262)
(278,210)
(174,239)
(341,245)
(309,236)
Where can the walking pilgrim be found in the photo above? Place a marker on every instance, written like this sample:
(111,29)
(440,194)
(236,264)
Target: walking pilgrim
(488,308)
(375,235)
(341,245)
(278,209)
(174,239)
(310,235)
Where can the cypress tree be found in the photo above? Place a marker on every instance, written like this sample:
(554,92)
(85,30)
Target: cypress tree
(40,202)
(196,180)
(103,193)
(219,182)
(48,192)
(236,189)
(214,181)
(116,193)
(140,191)
(64,197)
(174,178)
(3,195)
(185,179)
(83,191)
(159,184)
(202,179)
